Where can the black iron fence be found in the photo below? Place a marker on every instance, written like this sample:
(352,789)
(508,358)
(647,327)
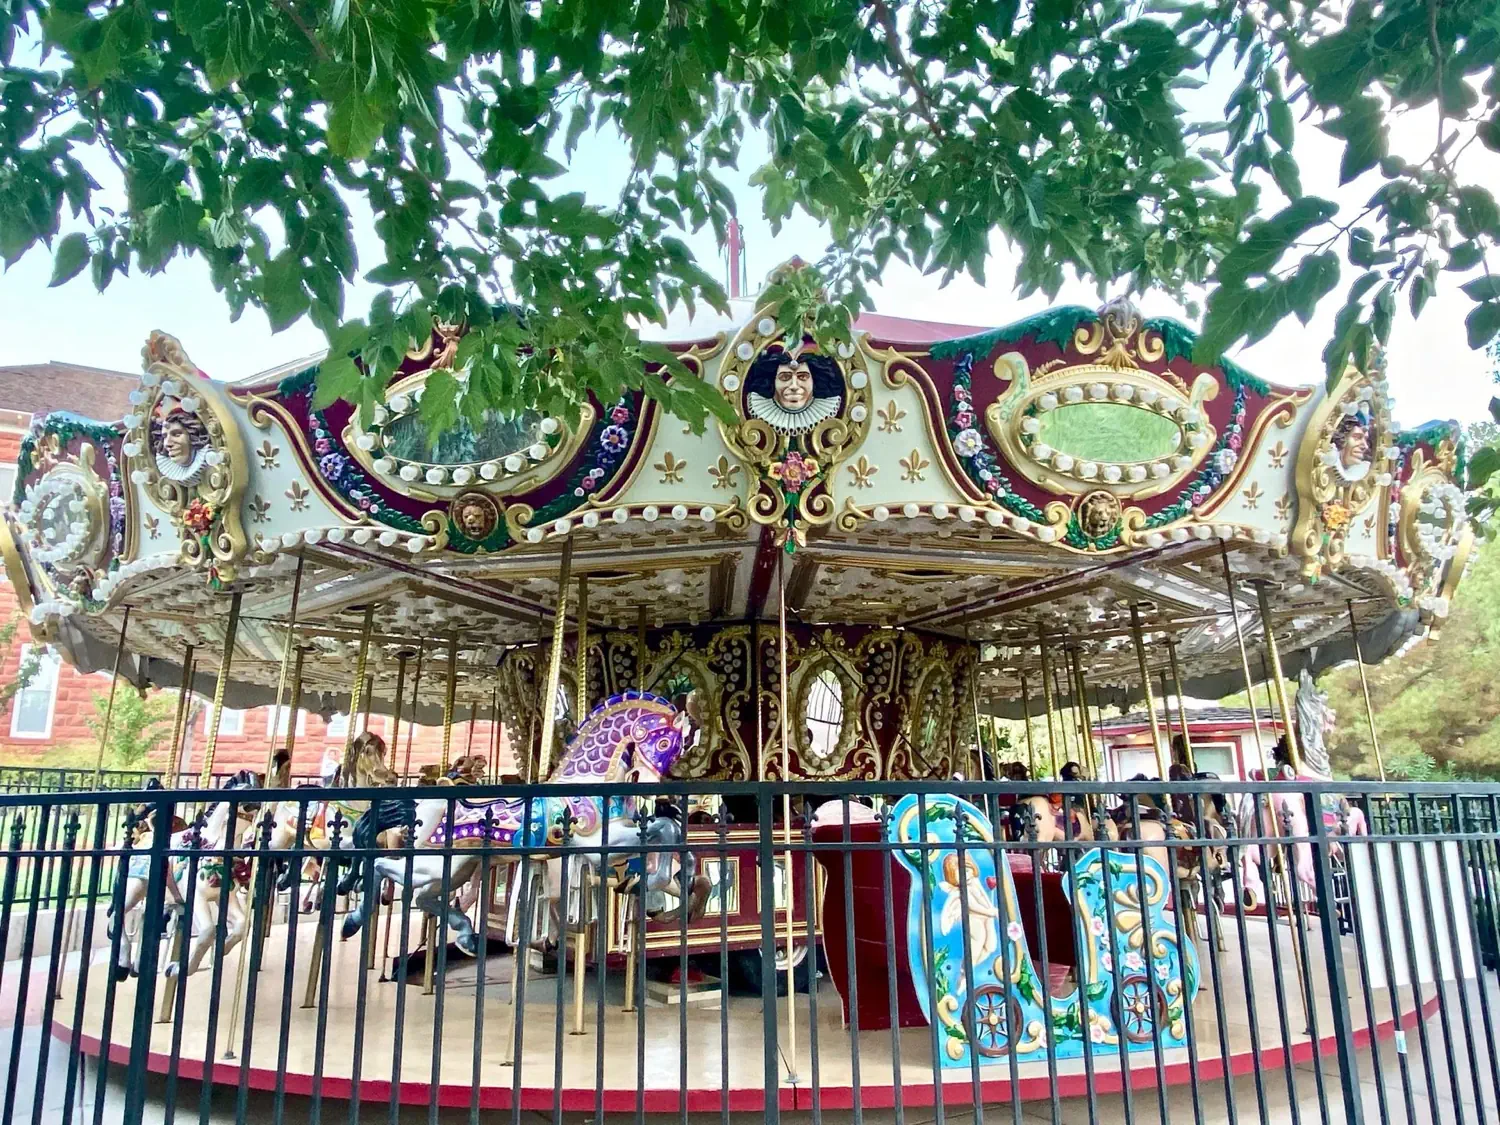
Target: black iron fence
(1202,951)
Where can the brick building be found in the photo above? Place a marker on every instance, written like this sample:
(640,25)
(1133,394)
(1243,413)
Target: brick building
(47,724)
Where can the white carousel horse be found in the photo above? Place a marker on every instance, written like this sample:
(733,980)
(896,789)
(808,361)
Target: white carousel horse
(212,831)
(631,737)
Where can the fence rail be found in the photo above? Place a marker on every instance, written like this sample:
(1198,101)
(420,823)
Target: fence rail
(1210,951)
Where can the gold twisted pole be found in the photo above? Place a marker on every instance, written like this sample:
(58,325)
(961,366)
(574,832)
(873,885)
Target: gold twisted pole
(230,632)
(1182,719)
(1239,635)
(411,726)
(294,704)
(109,708)
(1364,684)
(1138,636)
(1041,637)
(356,692)
(581,651)
(449,697)
(1278,679)
(974,700)
(401,659)
(1026,711)
(184,693)
(786,819)
(554,662)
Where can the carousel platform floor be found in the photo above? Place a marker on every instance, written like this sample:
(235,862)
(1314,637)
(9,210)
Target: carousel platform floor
(667,1055)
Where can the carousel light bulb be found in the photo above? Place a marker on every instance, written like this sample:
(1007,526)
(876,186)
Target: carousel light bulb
(940,511)
(131,449)
(1098,391)
(548,425)
(859,380)
(150,378)
(1088,470)
(488,471)
(1170,404)
(410,472)
(679,512)
(362,535)
(1223,531)
(416,543)
(994,517)
(436,475)
(911,510)
(380,414)
(365,442)
(1072,394)
(650,512)
(1042,451)
(765,326)
(538,451)
(311,535)
(746,351)
(1031,425)
(336,534)
(591,520)
(463,475)
(1148,396)
(881,513)
(1179,535)
(290,539)
(1155,539)
(966,513)
(1046,534)
(139,476)
(858,413)
(620,515)
(137,398)
(707,514)
(388,538)
(533,535)
(513,463)
(1021,523)
(170,388)
(400,404)
(1161,470)
(1047,402)
(1124,391)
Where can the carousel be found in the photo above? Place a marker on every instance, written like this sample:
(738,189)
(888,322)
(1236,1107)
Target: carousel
(896,540)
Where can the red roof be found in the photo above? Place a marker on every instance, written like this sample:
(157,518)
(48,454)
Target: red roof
(38,388)
(902,330)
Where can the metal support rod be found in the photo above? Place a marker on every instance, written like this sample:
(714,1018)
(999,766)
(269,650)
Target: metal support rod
(581,652)
(786,816)
(983,772)
(1278,679)
(1085,728)
(1364,685)
(1191,759)
(286,662)
(401,658)
(640,648)
(1047,697)
(495,733)
(1239,635)
(184,693)
(225,661)
(109,708)
(554,662)
(411,727)
(359,674)
(1138,636)
(1026,711)
(295,703)
(448,699)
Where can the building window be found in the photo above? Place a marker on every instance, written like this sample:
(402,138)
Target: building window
(231,725)
(338,726)
(283,714)
(31,710)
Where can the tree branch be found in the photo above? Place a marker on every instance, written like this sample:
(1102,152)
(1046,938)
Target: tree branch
(899,60)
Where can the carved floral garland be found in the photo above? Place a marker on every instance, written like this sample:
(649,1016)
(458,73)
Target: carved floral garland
(983,466)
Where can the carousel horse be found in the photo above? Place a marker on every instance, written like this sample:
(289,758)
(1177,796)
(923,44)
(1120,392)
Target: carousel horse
(1315,722)
(320,821)
(631,737)
(211,830)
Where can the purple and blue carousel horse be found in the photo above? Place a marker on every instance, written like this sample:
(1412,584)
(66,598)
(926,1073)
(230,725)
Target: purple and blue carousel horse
(634,736)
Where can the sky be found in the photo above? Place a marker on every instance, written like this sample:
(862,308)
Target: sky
(1433,373)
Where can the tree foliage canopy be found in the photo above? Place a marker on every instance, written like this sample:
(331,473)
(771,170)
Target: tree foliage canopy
(255,133)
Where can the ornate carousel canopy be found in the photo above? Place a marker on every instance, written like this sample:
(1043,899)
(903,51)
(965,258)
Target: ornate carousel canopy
(930,499)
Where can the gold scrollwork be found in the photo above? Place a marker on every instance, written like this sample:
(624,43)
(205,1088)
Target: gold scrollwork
(1342,465)
(188,456)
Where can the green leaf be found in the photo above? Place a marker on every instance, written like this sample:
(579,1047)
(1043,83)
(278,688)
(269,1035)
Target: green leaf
(1279,122)
(282,292)
(1483,323)
(337,379)
(71,256)
(1485,462)
(1485,288)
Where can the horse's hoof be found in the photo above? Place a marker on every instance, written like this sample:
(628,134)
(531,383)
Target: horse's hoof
(467,944)
(120,972)
(352,923)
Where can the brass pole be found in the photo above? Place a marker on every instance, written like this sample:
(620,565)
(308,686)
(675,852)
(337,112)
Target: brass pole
(786,816)
(109,708)
(1364,684)
(554,662)
(271,740)
(367,701)
(1182,719)
(224,662)
(448,699)
(359,674)
(1026,711)
(411,726)
(1140,655)
(1283,704)
(1047,697)
(495,734)
(1239,636)
(401,658)
(184,693)
(641,655)
(286,661)
(1062,720)
(295,703)
(473,722)
(983,772)
(1085,728)
(581,651)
